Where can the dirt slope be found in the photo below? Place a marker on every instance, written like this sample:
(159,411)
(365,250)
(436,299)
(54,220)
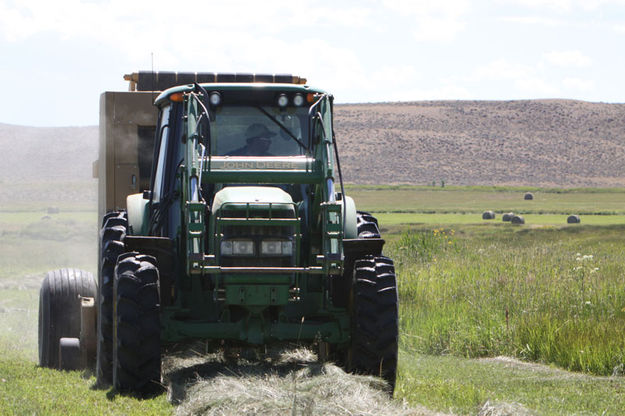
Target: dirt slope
(559,143)
(541,143)
(44,154)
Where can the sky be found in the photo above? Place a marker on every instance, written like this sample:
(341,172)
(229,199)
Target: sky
(57,57)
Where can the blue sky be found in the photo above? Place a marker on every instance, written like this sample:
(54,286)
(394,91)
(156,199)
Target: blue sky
(58,56)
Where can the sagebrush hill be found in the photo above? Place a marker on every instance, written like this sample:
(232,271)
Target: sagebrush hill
(545,143)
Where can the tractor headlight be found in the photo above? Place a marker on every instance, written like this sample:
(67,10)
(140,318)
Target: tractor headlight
(237,248)
(276,248)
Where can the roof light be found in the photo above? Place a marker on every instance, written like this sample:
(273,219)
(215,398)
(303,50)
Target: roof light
(214,98)
(177,97)
(298,100)
(283,100)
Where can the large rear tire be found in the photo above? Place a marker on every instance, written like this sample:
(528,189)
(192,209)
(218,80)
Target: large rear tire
(59,310)
(375,325)
(367,225)
(136,333)
(112,235)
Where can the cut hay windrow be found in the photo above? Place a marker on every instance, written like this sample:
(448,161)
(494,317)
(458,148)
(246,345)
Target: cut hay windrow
(284,382)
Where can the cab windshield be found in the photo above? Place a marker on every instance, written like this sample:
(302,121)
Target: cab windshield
(259,131)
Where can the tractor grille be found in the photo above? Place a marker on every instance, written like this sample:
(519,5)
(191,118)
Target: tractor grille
(250,230)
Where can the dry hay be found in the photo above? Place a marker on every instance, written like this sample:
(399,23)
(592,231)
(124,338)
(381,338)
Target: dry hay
(537,371)
(517,219)
(573,219)
(503,409)
(283,382)
(488,215)
(507,216)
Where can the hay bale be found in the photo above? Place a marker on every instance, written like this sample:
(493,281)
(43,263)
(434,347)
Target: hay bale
(507,216)
(573,219)
(488,215)
(528,196)
(517,219)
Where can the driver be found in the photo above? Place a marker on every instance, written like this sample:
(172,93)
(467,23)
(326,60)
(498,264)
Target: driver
(258,138)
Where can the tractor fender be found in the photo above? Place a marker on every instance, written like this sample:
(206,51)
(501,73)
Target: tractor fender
(136,207)
(351,229)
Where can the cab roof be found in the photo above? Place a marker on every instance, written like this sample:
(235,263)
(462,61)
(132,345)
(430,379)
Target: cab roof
(169,83)
(239,86)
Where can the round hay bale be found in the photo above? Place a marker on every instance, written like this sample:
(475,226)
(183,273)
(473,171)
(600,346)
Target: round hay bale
(573,219)
(507,216)
(517,219)
(488,215)
(528,196)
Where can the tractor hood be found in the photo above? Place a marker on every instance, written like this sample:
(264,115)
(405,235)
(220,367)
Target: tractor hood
(261,195)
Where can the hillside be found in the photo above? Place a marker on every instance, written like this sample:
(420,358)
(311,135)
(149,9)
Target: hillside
(45,154)
(559,143)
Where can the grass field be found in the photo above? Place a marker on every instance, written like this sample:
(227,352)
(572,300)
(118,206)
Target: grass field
(455,200)
(26,389)
(548,295)
(387,219)
(504,386)
(544,292)
(32,242)
(470,290)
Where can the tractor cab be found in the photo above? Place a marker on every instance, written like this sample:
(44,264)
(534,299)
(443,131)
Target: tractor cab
(238,145)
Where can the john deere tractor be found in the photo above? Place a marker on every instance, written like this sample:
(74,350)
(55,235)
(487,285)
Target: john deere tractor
(224,219)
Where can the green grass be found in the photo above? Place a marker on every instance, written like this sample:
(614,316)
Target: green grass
(31,244)
(388,219)
(18,321)
(26,389)
(350,187)
(469,200)
(19,218)
(464,386)
(552,295)
(80,195)
(471,288)
(486,291)
(456,288)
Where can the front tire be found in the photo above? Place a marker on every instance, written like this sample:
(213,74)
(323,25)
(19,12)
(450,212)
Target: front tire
(375,324)
(59,310)
(112,235)
(136,333)
(366,227)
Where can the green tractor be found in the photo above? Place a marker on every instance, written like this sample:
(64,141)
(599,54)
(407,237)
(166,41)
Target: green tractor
(224,219)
